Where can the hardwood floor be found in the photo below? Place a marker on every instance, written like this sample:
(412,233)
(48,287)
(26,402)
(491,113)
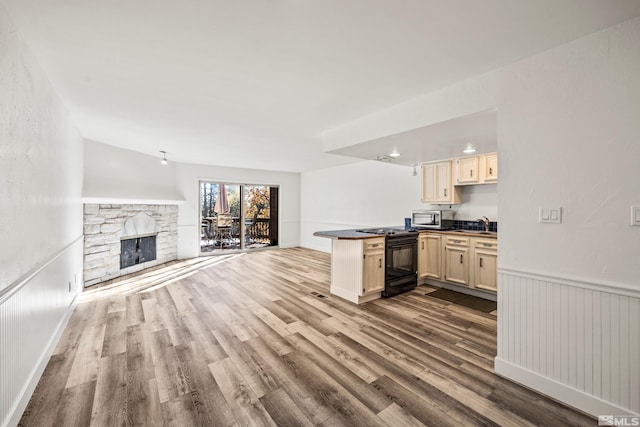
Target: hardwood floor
(256,339)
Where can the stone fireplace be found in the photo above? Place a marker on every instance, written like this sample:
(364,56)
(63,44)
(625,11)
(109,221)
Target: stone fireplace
(120,239)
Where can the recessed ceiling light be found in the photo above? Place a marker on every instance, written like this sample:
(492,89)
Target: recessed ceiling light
(164,160)
(394,154)
(469,149)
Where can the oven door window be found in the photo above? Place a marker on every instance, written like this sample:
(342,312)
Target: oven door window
(401,260)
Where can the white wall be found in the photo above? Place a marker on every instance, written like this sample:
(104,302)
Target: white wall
(115,173)
(569,300)
(125,176)
(188,178)
(364,194)
(40,220)
(569,135)
(40,163)
(474,95)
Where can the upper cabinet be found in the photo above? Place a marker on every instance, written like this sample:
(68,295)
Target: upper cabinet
(438,184)
(489,167)
(482,169)
(467,170)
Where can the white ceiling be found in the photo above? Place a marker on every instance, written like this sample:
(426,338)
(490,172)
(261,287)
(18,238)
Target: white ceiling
(254,83)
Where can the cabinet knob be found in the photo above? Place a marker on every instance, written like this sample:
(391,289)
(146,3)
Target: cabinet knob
(490,171)
(480,262)
(380,263)
(460,258)
(445,192)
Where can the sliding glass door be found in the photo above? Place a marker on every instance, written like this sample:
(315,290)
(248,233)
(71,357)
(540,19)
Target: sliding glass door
(237,216)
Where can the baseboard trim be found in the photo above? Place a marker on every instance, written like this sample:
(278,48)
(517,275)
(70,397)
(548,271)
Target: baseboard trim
(582,401)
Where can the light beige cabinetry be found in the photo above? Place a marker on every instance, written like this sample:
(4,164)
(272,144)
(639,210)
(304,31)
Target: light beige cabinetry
(456,260)
(489,168)
(467,170)
(486,264)
(430,256)
(373,266)
(438,185)
(482,169)
(462,260)
(357,268)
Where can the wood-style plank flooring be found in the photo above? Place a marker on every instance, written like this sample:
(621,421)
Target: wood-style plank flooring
(256,339)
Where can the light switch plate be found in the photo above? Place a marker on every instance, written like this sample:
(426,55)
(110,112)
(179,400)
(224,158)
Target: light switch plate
(550,215)
(635,215)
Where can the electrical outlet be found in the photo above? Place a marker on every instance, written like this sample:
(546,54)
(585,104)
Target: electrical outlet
(550,215)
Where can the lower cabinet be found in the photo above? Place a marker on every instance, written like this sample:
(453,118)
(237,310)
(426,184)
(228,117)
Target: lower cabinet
(373,267)
(486,264)
(357,268)
(430,256)
(456,260)
(461,260)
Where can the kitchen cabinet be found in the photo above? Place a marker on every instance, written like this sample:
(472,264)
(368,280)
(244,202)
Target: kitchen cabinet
(467,261)
(430,256)
(373,267)
(486,264)
(489,168)
(357,268)
(467,170)
(482,169)
(437,183)
(456,260)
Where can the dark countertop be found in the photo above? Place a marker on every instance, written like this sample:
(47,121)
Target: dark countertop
(354,234)
(467,233)
(346,234)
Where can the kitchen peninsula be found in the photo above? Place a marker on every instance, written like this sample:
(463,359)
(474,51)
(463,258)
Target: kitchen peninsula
(365,265)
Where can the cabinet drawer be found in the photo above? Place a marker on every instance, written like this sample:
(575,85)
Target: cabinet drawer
(489,244)
(457,241)
(374,245)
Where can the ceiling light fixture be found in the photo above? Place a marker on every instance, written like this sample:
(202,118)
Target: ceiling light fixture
(415,172)
(394,154)
(469,149)
(164,160)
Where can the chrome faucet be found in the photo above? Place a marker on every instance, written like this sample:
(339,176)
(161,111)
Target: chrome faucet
(485,222)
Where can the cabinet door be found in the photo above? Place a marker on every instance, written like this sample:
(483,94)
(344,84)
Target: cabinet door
(490,166)
(433,245)
(373,273)
(443,182)
(430,256)
(429,183)
(467,170)
(456,268)
(422,255)
(486,270)
(437,183)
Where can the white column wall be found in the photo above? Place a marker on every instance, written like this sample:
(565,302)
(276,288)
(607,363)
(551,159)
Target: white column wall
(569,299)
(40,220)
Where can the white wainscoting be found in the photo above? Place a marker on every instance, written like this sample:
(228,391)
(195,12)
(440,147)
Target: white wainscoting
(33,313)
(573,340)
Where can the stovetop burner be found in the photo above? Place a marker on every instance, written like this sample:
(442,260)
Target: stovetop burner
(387,231)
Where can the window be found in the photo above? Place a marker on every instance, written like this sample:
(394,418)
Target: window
(237,216)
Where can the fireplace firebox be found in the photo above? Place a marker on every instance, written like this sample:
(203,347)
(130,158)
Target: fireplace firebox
(137,250)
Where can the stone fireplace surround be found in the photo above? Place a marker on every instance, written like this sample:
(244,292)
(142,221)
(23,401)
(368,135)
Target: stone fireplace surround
(104,225)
